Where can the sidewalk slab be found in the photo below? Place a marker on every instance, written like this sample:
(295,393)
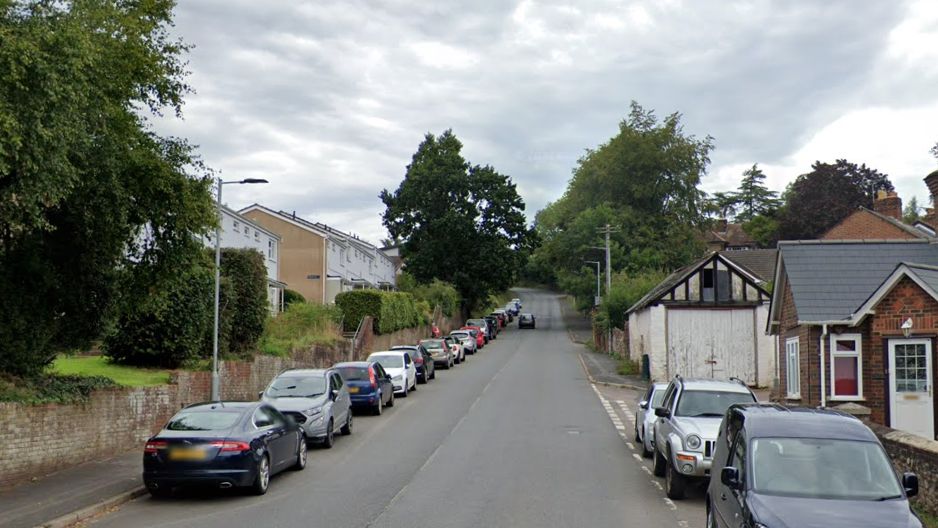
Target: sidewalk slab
(603,368)
(49,497)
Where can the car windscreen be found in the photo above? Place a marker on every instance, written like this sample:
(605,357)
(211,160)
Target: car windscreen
(354,373)
(823,469)
(204,421)
(476,322)
(389,361)
(460,335)
(433,344)
(297,387)
(698,403)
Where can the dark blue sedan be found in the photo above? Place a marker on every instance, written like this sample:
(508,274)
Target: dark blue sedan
(368,384)
(224,445)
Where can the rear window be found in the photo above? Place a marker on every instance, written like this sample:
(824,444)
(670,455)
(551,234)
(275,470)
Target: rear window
(432,344)
(203,421)
(526,317)
(460,335)
(389,361)
(354,373)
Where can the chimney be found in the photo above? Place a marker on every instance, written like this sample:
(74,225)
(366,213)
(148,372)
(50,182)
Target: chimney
(932,182)
(888,203)
(720,226)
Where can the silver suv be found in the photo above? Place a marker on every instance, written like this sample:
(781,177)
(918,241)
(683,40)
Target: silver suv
(687,425)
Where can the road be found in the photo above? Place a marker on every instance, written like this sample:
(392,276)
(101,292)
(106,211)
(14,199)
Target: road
(515,437)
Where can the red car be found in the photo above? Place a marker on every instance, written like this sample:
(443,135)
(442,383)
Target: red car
(479,335)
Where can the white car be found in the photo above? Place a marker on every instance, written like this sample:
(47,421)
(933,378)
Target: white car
(645,417)
(465,338)
(400,367)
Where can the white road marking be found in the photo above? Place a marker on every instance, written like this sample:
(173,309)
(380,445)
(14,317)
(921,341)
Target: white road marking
(669,502)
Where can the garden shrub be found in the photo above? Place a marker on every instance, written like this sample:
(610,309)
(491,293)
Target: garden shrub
(300,326)
(391,311)
(247,307)
(356,304)
(292,296)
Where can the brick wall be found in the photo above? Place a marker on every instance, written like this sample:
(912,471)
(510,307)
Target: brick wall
(910,453)
(35,440)
(862,224)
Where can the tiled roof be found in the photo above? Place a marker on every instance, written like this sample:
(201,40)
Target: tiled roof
(758,262)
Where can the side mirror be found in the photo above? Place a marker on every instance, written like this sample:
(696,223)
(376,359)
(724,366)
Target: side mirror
(729,476)
(260,394)
(910,483)
(290,419)
(388,377)
(662,412)
(643,404)
(335,393)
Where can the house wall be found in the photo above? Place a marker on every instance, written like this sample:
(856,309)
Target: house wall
(639,334)
(646,335)
(765,349)
(865,225)
(302,253)
(808,340)
(236,233)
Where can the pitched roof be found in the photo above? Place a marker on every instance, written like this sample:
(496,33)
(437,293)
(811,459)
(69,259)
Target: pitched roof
(898,224)
(732,234)
(759,262)
(831,280)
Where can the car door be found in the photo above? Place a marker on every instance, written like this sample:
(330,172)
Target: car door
(272,426)
(663,425)
(728,506)
(384,382)
(343,399)
(410,371)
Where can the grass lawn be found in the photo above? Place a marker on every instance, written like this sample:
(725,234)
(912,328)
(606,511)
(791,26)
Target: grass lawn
(99,366)
(929,520)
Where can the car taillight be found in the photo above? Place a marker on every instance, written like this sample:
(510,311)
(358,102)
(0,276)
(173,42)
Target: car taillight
(371,377)
(153,446)
(419,361)
(231,447)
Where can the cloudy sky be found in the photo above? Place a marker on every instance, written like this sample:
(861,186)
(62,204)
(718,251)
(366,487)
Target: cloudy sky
(329,100)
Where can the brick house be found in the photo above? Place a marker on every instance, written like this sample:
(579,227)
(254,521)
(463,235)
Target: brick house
(856,321)
(884,221)
(727,236)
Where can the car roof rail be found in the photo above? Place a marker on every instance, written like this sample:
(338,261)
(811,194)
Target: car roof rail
(679,379)
(737,380)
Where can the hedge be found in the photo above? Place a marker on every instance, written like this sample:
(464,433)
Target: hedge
(391,311)
(292,296)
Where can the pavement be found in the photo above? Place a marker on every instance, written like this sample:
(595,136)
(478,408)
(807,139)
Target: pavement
(513,437)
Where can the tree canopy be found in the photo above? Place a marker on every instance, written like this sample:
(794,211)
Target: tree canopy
(460,223)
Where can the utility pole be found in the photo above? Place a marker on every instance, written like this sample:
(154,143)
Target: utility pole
(598,291)
(607,230)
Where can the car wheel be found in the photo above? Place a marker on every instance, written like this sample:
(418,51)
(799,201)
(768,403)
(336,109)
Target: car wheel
(646,453)
(301,454)
(414,386)
(423,378)
(660,464)
(379,407)
(674,482)
(433,376)
(711,522)
(638,438)
(329,439)
(347,428)
(262,477)
(404,394)
(391,399)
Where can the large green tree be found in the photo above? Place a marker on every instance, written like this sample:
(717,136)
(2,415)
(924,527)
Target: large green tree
(459,223)
(645,181)
(816,201)
(90,197)
(753,197)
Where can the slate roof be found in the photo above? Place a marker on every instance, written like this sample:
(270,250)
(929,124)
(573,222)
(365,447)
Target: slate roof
(759,262)
(830,280)
(927,274)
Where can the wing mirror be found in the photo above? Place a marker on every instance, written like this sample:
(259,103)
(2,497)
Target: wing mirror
(334,393)
(729,476)
(643,404)
(910,483)
(662,412)
(260,394)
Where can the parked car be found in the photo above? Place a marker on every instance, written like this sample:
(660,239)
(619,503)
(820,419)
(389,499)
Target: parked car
(426,370)
(517,302)
(526,320)
(368,385)
(469,342)
(686,428)
(478,333)
(441,353)
(494,324)
(645,416)
(316,399)
(400,367)
(777,466)
(512,309)
(224,445)
(459,353)
(506,314)
(484,326)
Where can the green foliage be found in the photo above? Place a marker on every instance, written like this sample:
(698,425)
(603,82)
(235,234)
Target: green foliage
(455,219)
(292,296)
(912,212)
(101,366)
(816,201)
(627,367)
(627,289)
(300,326)
(246,299)
(435,293)
(391,311)
(753,197)
(44,389)
(83,176)
(356,304)
(763,229)
(167,324)
(645,182)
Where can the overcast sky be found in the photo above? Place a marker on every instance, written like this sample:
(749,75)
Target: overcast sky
(329,100)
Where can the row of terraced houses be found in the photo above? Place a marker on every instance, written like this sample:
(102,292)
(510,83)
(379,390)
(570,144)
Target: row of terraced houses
(312,258)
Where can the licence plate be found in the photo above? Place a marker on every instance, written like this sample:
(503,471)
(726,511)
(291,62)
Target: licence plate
(188,454)
(352,390)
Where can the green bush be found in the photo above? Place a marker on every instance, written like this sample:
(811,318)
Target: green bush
(292,296)
(357,304)
(247,307)
(627,289)
(436,293)
(300,326)
(51,388)
(391,311)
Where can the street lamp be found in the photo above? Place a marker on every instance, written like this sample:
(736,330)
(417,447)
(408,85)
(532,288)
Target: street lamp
(596,302)
(216,389)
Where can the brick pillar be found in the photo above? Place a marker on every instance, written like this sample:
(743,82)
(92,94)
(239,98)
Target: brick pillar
(888,204)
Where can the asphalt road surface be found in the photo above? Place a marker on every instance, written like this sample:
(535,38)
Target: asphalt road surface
(515,437)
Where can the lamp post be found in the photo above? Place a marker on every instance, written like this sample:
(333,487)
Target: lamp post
(216,389)
(598,295)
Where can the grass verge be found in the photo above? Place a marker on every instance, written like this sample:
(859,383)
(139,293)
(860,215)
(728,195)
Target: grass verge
(300,326)
(627,367)
(89,366)
(929,520)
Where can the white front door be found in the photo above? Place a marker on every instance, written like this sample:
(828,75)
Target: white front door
(911,407)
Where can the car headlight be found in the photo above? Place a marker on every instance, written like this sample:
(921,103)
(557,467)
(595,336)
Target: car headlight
(312,411)
(399,377)
(692,442)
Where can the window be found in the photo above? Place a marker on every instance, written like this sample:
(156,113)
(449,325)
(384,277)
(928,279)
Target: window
(247,231)
(738,456)
(257,235)
(846,372)
(270,249)
(237,225)
(793,367)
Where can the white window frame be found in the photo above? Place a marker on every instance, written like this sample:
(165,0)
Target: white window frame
(858,353)
(793,347)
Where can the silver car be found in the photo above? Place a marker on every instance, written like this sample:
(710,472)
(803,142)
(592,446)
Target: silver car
(645,416)
(316,399)
(469,343)
(687,425)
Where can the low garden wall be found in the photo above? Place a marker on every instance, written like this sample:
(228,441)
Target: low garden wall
(917,455)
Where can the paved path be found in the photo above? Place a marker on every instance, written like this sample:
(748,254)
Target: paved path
(516,437)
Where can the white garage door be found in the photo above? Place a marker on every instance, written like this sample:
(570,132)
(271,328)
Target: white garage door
(712,343)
